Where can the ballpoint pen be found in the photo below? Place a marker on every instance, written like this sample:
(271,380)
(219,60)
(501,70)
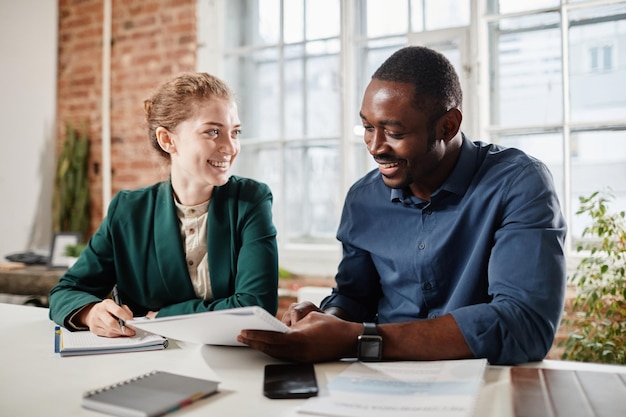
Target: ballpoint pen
(118,301)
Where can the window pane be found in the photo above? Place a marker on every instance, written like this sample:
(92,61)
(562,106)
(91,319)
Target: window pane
(526,71)
(294,21)
(595,36)
(313,203)
(417,15)
(511,6)
(252,22)
(248,165)
(388,17)
(294,91)
(548,148)
(441,14)
(322,19)
(255,78)
(598,162)
(323,90)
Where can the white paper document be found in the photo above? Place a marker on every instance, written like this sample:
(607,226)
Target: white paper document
(219,327)
(403,389)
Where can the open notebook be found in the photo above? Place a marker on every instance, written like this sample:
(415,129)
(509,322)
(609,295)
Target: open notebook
(68,343)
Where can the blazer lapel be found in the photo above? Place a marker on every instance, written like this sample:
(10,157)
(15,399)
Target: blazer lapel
(219,241)
(167,242)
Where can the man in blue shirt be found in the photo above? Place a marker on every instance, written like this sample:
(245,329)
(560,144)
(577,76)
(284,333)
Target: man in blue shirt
(451,248)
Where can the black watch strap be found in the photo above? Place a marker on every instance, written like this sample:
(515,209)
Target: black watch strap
(370,329)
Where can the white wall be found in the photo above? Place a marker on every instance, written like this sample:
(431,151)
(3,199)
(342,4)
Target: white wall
(28,62)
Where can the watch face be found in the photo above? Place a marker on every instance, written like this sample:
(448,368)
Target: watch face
(370,348)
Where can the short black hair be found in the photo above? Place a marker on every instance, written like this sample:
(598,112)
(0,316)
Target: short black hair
(437,86)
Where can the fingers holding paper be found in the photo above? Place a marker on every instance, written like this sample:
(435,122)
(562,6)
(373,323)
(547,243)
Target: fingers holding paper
(297,311)
(317,337)
(103,319)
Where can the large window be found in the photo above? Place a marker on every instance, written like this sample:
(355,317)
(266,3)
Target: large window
(556,72)
(283,57)
(541,75)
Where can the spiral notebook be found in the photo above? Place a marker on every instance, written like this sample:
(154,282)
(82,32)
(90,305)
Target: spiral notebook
(153,394)
(68,343)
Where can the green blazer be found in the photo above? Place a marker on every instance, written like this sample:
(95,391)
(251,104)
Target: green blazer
(139,247)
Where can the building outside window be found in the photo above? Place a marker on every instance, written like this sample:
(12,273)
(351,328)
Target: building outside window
(541,75)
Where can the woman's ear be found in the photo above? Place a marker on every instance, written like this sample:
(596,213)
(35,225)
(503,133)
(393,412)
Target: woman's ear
(450,124)
(164,137)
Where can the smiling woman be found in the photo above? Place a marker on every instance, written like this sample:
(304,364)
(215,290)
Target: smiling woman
(186,245)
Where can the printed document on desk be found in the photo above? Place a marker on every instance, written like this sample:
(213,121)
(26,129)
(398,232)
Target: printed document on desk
(219,327)
(402,389)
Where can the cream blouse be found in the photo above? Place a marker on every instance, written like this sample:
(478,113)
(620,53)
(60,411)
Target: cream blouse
(193,231)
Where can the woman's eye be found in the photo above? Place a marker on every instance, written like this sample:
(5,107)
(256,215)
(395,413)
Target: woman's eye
(237,133)
(212,132)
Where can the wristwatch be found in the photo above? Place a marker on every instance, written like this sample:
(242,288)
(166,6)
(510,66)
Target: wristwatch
(370,344)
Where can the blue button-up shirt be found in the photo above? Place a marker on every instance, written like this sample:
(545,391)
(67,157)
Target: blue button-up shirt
(487,248)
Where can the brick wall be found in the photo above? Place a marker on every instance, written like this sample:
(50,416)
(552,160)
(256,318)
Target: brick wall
(151,41)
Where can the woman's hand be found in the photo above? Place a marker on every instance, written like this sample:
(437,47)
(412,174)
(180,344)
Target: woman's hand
(103,318)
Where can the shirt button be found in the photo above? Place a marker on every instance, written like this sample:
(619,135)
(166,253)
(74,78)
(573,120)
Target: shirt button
(192,211)
(190,263)
(422,246)
(192,231)
(428,286)
(428,212)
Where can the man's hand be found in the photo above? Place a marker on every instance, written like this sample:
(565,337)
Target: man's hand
(102,318)
(316,337)
(297,311)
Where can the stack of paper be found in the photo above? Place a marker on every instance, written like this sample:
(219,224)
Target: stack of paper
(403,389)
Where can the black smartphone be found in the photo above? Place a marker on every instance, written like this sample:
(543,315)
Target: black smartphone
(292,380)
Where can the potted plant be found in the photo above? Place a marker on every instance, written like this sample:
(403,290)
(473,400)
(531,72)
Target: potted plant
(71,204)
(598,319)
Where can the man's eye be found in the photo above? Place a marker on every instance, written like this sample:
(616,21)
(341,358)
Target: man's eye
(368,128)
(395,135)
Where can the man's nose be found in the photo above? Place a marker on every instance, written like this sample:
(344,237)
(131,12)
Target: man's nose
(376,143)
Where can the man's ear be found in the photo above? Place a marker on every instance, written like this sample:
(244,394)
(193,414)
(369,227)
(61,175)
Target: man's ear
(450,124)
(164,137)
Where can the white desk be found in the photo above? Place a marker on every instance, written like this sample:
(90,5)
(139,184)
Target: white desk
(35,381)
